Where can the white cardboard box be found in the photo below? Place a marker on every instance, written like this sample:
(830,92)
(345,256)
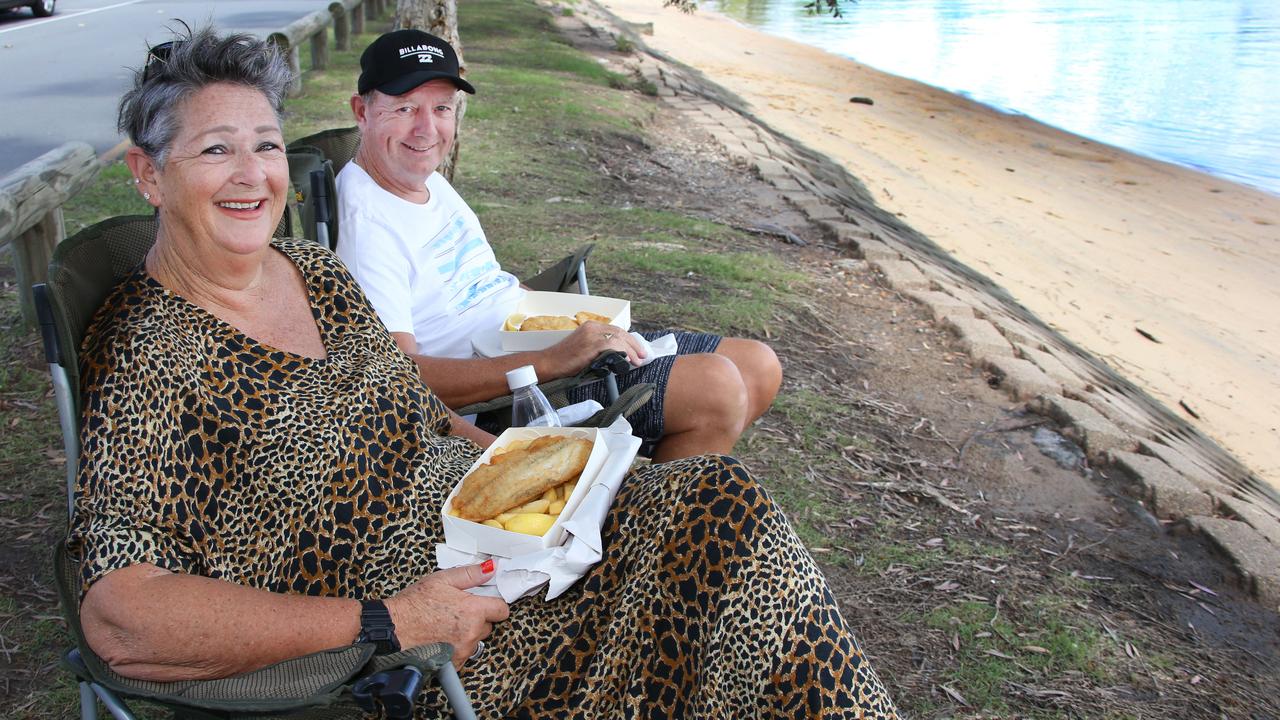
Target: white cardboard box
(474,537)
(553,303)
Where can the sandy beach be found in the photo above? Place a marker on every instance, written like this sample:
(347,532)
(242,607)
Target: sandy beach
(1170,275)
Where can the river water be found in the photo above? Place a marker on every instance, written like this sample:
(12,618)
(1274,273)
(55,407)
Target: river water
(1193,82)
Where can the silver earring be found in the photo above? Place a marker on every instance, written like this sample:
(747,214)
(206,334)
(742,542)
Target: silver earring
(146,196)
(136,181)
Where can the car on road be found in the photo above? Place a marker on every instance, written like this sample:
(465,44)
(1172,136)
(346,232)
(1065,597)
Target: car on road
(39,8)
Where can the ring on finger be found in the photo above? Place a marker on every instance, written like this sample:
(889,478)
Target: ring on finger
(608,336)
(479,651)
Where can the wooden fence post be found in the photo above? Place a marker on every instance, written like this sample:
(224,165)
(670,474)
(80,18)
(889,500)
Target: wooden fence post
(357,17)
(33,250)
(320,49)
(341,26)
(31,199)
(290,52)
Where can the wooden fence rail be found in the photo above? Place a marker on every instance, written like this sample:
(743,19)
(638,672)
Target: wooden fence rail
(31,200)
(31,197)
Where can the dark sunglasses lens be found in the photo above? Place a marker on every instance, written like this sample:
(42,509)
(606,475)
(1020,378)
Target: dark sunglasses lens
(156,56)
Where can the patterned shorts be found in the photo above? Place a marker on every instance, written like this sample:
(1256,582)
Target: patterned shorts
(647,422)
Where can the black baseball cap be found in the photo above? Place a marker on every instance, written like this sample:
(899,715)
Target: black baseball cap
(402,60)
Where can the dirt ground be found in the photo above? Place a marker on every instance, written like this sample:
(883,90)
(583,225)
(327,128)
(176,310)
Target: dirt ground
(985,506)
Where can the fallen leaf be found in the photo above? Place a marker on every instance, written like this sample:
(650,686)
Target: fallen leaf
(954,695)
(1147,335)
(1196,680)
(999,654)
(1202,588)
(947,586)
(1036,649)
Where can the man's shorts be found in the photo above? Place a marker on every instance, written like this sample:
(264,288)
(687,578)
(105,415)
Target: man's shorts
(646,422)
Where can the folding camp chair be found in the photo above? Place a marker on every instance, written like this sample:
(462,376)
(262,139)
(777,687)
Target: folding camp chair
(315,198)
(335,683)
(338,145)
(318,192)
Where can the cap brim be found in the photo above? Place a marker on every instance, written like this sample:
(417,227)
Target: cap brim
(405,83)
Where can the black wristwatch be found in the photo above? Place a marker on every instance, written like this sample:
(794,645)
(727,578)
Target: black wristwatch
(376,627)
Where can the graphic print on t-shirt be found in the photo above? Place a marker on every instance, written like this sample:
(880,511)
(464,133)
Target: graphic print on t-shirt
(463,261)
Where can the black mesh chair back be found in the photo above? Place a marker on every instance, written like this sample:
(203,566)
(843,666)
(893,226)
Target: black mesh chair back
(84,269)
(339,145)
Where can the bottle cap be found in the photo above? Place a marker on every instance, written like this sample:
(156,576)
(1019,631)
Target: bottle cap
(521,376)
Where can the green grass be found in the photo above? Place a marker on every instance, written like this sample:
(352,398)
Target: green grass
(32,514)
(112,194)
(1023,645)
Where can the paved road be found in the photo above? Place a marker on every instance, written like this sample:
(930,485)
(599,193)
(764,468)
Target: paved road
(61,77)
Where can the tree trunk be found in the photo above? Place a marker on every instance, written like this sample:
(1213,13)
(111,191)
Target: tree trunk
(440,18)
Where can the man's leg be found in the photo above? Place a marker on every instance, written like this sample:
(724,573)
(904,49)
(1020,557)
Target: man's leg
(760,370)
(706,396)
(704,408)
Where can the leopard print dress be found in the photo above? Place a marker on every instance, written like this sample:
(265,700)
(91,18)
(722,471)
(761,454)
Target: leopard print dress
(208,453)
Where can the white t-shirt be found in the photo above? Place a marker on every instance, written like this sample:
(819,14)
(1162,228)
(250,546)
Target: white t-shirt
(427,269)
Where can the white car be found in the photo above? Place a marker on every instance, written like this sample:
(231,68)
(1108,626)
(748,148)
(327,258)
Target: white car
(39,8)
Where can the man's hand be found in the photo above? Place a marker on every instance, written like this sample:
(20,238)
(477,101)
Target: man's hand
(575,352)
(438,608)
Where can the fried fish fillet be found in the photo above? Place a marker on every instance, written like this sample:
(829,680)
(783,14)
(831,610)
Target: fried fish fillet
(585,315)
(518,476)
(548,322)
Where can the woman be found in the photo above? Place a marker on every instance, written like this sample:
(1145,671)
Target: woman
(261,467)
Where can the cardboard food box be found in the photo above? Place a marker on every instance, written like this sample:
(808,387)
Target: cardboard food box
(567,304)
(474,537)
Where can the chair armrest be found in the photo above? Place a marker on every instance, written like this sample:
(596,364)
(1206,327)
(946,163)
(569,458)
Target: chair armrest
(606,362)
(563,276)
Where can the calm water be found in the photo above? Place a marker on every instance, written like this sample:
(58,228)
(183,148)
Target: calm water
(1194,82)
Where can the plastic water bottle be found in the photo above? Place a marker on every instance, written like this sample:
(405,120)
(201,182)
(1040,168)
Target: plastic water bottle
(529,407)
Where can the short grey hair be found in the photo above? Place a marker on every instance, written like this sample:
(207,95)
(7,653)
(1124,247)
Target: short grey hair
(149,110)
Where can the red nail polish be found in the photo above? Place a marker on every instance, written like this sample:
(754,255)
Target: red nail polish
(486,567)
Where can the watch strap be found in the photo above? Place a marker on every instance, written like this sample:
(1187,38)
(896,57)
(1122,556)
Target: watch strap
(376,627)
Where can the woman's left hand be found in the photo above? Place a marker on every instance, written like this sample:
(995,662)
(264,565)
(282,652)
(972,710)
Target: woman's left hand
(438,608)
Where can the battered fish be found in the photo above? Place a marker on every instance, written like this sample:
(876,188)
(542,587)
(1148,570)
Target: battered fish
(516,477)
(586,315)
(548,322)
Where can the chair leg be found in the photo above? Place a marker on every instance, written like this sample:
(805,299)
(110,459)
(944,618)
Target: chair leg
(118,709)
(455,693)
(611,386)
(70,435)
(88,703)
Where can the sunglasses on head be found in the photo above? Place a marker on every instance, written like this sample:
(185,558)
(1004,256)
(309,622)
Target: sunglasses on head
(157,56)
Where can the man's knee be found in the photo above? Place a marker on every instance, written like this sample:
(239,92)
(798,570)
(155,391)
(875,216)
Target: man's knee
(762,369)
(717,393)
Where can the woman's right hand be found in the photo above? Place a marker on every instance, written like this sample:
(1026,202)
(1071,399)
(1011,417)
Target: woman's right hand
(438,608)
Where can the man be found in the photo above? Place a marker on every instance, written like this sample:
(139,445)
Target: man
(420,255)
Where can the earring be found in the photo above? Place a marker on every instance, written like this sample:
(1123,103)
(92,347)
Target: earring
(136,181)
(146,196)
